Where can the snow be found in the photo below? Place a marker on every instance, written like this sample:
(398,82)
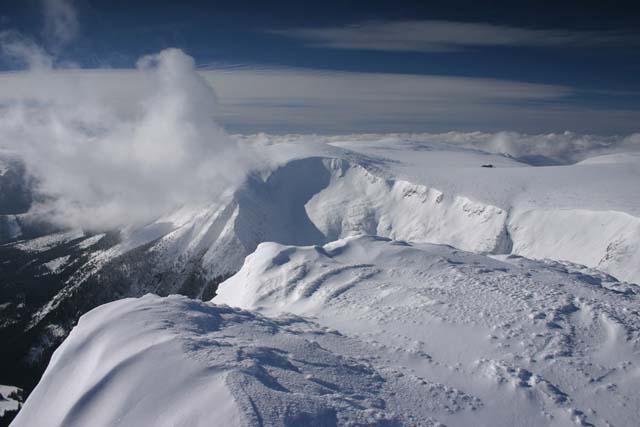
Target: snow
(360,331)
(358,202)
(615,158)
(536,343)
(607,240)
(8,402)
(89,242)
(192,363)
(380,281)
(563,196)
(312,190)
(586,213)
(57,265)
(47,242)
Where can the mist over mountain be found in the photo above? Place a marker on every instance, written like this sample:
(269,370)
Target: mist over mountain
(234,215)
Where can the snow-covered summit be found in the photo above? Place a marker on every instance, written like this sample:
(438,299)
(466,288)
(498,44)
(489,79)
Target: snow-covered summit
(361,331)
(538,343)
(314,192)
(174,361)
(300,217)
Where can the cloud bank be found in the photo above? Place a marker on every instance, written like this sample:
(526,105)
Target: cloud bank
(103,168)
(284,100)
(537,149)
(116,147)
(548,149)
(443,36)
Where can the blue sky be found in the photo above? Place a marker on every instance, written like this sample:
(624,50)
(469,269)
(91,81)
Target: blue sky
(588,51)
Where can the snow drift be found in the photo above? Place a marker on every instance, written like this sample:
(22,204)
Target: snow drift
(319,196)
(176,361)
(311,192)
(401,334)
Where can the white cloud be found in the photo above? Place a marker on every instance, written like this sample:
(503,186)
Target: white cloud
(115,147)
(23,51)
(438,36)
(300,100)
(104,168)
(538,149)
(316,101)
(60,22)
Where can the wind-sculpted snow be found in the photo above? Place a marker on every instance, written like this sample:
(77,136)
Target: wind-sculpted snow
(534,212)
(359,202)
(10,401)
(606,240)
(360,331)
(310,193)
(537,343)
(174,361)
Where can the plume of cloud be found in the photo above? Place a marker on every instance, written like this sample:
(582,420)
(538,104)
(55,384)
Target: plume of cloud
(101,169)
(60,23)
(556,148)
(24,52)
(539,149)
(60,28)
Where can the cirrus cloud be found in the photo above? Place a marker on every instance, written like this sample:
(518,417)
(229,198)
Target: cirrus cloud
(442,36)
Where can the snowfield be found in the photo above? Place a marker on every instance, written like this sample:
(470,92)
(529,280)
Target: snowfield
(369,281)
(10,399)
(536,343)
(313,193)
(360,331)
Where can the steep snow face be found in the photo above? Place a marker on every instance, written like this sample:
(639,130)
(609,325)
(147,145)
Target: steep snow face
(358,202)
(318,199)
(586,213)
(537,343)
(606,240)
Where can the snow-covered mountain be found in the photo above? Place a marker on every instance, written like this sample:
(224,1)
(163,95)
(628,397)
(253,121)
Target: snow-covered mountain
(582,218)
(360,331)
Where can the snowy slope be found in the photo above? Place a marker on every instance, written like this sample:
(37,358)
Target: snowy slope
(587,213)
(536,343)
(174,361)
(311,191)
(361,331)
(10,400)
